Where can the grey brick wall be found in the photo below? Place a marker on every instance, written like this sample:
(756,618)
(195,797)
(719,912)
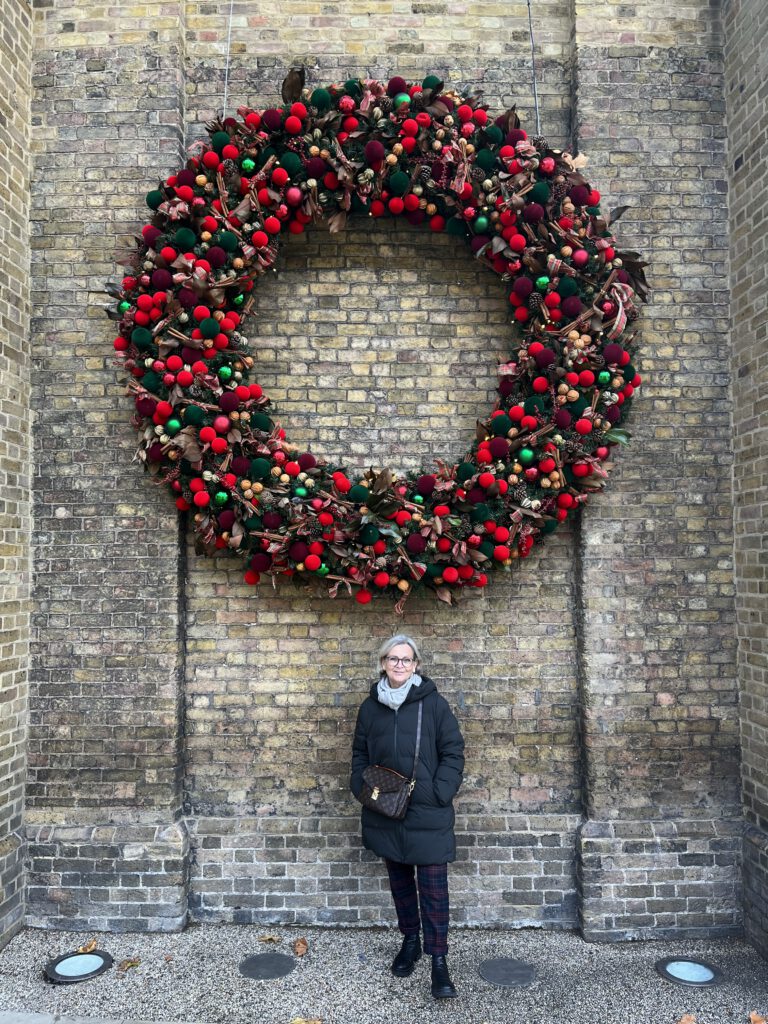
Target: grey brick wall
(747,97)
(15,455)
(596,685)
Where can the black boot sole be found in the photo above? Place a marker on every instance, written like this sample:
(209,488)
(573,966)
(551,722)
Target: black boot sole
(445,995)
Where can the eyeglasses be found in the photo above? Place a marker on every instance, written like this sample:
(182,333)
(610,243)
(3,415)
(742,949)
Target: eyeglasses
(405,662)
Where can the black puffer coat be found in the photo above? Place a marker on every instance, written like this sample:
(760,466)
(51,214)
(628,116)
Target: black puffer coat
(388,738)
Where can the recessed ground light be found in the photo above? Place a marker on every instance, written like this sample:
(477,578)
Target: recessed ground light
(683,971)
(505,971)
(77,966)
(263,966)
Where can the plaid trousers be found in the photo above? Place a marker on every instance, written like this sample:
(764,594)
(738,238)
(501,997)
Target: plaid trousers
(432,898)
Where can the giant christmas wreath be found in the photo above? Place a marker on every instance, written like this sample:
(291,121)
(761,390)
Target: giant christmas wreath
(436,159)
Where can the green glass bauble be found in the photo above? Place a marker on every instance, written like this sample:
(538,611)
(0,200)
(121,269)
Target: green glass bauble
(526,456)
(419,499)
(481,224)
(248,165)
(300,492)
(542,283)
(221,497)
(225,373)
(603,378)
(173,426)
(124,306)
(401,100)
(238,300)
(323,570)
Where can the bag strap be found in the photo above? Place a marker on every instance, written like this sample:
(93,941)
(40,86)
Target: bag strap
(418,743)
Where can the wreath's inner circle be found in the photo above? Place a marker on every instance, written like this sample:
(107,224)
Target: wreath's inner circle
(379,345)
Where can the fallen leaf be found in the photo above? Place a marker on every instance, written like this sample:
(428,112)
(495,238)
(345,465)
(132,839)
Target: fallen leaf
(687,1018)
(127,964)
(268,938)
(306,1020)
(757,1018)
(300,947)
(168,959)
(88,947)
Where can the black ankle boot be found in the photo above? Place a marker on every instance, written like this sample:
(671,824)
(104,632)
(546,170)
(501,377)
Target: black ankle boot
(406,959)
(442,986)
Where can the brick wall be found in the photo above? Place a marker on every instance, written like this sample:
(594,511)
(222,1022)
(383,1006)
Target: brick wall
(107,657)
(15,455)
(748,120)
(596,685)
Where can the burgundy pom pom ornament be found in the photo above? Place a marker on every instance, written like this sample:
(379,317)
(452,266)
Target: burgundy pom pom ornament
(437,159)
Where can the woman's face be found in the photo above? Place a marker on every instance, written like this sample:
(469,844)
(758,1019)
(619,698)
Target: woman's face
(399,665)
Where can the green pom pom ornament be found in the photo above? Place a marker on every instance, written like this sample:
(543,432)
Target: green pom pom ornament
(358,494)
(194,415)
(369,534)
(185,238)
(228,240)
(209,327)
(398,183)
(465,470)
(501,425)
(540,193)
(261,421)
(321,100)
(486,159)
(291,162)
(219,140)
(155,198)
(431,82)
(141,338)
(260,469)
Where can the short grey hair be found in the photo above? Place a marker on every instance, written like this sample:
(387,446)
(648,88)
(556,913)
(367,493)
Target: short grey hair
(400,638)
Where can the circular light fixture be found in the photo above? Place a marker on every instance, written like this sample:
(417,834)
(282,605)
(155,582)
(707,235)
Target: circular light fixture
(263,966)
(507,972)
(694,973)
(77,966)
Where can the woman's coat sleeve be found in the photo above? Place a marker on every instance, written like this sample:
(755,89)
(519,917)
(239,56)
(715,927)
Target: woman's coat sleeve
(359,755)
(450,753)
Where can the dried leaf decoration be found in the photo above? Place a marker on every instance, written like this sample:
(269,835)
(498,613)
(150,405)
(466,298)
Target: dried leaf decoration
(88,947)
(268,938)
(300,947)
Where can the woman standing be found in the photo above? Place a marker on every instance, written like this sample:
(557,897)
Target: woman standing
(385,734)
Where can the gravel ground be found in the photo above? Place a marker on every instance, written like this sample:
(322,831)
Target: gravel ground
(344,978)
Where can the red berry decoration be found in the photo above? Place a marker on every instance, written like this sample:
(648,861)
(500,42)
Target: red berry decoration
(210,434)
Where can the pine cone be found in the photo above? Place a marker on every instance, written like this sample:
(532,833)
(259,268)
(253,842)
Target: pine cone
(425,174)
(540,142)
(559,191)
(385,104)
(535,300)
